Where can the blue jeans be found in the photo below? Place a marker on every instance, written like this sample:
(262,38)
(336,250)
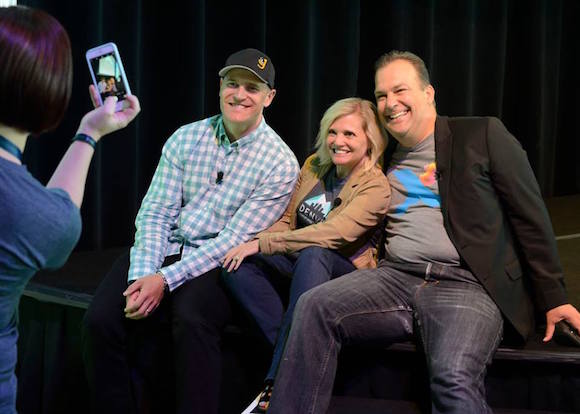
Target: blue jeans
(457,323)
(253,286)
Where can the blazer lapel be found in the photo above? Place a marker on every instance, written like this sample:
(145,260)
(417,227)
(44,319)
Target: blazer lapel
(443,147)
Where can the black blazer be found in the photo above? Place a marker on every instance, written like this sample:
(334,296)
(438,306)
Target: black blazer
(495,216)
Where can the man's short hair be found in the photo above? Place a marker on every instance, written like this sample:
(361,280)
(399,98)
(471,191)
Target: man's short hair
(35,69)
(412,58)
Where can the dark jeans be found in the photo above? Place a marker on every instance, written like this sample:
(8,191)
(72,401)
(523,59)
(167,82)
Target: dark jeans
(459,327)
(253,285)
(193,316)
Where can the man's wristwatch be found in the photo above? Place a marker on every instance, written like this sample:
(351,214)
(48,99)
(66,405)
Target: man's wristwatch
(165,284)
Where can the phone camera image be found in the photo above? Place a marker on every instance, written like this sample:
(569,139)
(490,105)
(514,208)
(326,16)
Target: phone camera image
(108,76)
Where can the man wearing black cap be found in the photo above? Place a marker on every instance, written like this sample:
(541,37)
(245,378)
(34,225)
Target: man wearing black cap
(255,72)
(219,182)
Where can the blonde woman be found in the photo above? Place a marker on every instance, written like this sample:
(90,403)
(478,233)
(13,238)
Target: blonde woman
(327,230)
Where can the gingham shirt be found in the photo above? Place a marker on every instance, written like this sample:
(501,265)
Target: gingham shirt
(185,206)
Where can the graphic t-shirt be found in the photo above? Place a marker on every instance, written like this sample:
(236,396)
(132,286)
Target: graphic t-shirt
(415,231)
(320,200)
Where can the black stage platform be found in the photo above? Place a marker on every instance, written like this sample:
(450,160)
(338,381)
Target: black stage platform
(538,378)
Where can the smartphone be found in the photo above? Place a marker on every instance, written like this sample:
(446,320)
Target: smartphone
(108,74)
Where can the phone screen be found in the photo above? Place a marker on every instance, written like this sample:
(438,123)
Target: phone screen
(108,75)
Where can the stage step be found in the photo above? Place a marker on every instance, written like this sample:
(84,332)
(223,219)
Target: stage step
(350,405)
(537,376)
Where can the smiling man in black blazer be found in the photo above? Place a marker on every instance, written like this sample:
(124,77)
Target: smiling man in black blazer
(469,253)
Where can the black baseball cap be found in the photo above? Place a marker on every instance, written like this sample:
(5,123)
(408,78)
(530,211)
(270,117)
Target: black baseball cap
(253,60)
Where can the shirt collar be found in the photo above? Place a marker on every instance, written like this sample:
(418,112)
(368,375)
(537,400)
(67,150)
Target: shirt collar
(223,140)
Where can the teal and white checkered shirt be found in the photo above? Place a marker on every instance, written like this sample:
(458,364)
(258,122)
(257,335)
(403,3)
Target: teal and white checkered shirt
(186,207)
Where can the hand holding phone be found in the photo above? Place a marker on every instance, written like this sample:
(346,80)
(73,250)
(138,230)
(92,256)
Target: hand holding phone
(108,74)
(105,119)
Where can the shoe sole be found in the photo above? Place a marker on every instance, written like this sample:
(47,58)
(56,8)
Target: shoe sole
(252,405)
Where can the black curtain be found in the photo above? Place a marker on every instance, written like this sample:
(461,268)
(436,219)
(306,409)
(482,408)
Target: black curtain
(516,60)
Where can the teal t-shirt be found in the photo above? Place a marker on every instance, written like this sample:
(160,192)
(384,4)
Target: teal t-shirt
(38,229)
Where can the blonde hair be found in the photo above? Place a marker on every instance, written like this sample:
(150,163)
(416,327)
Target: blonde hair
(376,135)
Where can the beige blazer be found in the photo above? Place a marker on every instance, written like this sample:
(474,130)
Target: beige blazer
(347,228)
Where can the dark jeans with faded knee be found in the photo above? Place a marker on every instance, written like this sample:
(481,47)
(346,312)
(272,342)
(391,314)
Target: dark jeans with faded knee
(253,286)
(193,315)
(459,326)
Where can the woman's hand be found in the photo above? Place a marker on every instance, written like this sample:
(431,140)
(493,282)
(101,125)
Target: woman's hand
(103,119)
(71,173)
(234,258)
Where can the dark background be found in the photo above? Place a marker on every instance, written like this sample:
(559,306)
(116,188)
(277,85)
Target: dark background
(517,60)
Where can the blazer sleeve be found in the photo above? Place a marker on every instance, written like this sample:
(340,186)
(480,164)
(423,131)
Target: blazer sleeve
(344,225)
(518,189)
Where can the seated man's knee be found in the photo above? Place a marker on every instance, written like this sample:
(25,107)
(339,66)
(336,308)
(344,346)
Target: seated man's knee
(194,323)
(314,301)
(194,332)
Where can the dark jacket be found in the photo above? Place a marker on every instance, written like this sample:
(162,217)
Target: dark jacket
(495,216)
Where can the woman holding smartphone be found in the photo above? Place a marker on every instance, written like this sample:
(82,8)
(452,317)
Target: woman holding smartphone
(40,225)
(340,199)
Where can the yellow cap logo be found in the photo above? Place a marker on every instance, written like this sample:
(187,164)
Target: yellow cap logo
(262,62)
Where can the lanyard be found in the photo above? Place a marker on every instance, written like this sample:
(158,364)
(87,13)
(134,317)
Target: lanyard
(10,147)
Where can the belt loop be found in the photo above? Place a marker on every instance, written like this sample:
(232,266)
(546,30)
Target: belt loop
(428,271)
